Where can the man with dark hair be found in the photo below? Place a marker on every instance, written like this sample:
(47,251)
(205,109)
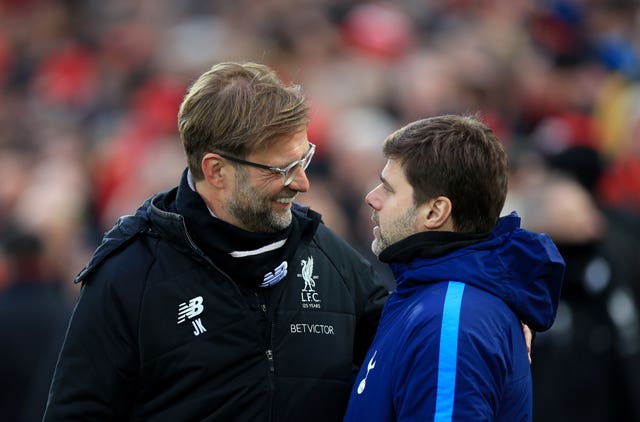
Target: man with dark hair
(221,299)
(450,345)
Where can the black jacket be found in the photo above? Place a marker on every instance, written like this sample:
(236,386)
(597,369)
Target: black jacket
(161,333)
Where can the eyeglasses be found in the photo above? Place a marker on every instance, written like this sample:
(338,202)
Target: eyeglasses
(288,173)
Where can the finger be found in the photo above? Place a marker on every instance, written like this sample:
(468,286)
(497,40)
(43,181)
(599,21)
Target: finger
(528,338)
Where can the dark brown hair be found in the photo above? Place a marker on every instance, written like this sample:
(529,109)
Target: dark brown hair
(458,157)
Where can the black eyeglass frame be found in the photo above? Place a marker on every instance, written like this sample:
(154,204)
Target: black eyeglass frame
(287,172)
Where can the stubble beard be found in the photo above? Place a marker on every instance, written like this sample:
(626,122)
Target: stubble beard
(398,229)
(254,210)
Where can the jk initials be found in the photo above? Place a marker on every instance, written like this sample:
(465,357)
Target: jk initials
(198,327)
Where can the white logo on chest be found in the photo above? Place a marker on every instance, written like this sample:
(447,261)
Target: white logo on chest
(308,295)
(276,275)
(370,366)
(191,310)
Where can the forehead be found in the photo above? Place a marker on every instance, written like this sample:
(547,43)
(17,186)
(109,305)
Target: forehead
(285,148)
(393,172)
(393,175)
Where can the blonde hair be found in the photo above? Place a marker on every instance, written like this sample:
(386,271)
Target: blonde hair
(238,108)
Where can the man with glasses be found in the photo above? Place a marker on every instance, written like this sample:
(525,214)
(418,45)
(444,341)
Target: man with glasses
(288,172)
(221,299)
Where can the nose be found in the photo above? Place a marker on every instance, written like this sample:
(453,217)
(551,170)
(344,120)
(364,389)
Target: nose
(300,182)
(372,199)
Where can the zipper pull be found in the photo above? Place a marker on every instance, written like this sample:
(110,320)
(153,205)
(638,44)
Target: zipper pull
(269,354)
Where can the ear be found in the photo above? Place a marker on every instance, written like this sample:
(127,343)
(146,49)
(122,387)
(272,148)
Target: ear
(438,214)
(215,169)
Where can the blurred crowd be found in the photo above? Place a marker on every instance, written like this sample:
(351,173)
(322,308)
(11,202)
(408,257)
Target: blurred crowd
(89,92)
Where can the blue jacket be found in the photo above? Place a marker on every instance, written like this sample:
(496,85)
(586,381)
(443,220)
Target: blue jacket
(450,345)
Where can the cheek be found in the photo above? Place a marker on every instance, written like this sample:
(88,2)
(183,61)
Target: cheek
(270,191)
(387,215)
(265,185)
(392,215)
(392,209)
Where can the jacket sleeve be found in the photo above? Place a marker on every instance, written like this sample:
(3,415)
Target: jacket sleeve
(368,292)
(371,296)
(97,370)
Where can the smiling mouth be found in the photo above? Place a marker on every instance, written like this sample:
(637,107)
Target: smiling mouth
(288,200)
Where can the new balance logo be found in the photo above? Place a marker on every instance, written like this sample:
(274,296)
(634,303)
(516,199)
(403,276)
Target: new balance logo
(278,274)
(191,310)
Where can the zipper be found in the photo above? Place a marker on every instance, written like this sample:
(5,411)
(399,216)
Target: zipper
(267,335)
(272,370)
(263,306)
(269,354)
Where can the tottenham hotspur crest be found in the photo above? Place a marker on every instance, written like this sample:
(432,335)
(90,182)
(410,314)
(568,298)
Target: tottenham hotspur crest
(308,295)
